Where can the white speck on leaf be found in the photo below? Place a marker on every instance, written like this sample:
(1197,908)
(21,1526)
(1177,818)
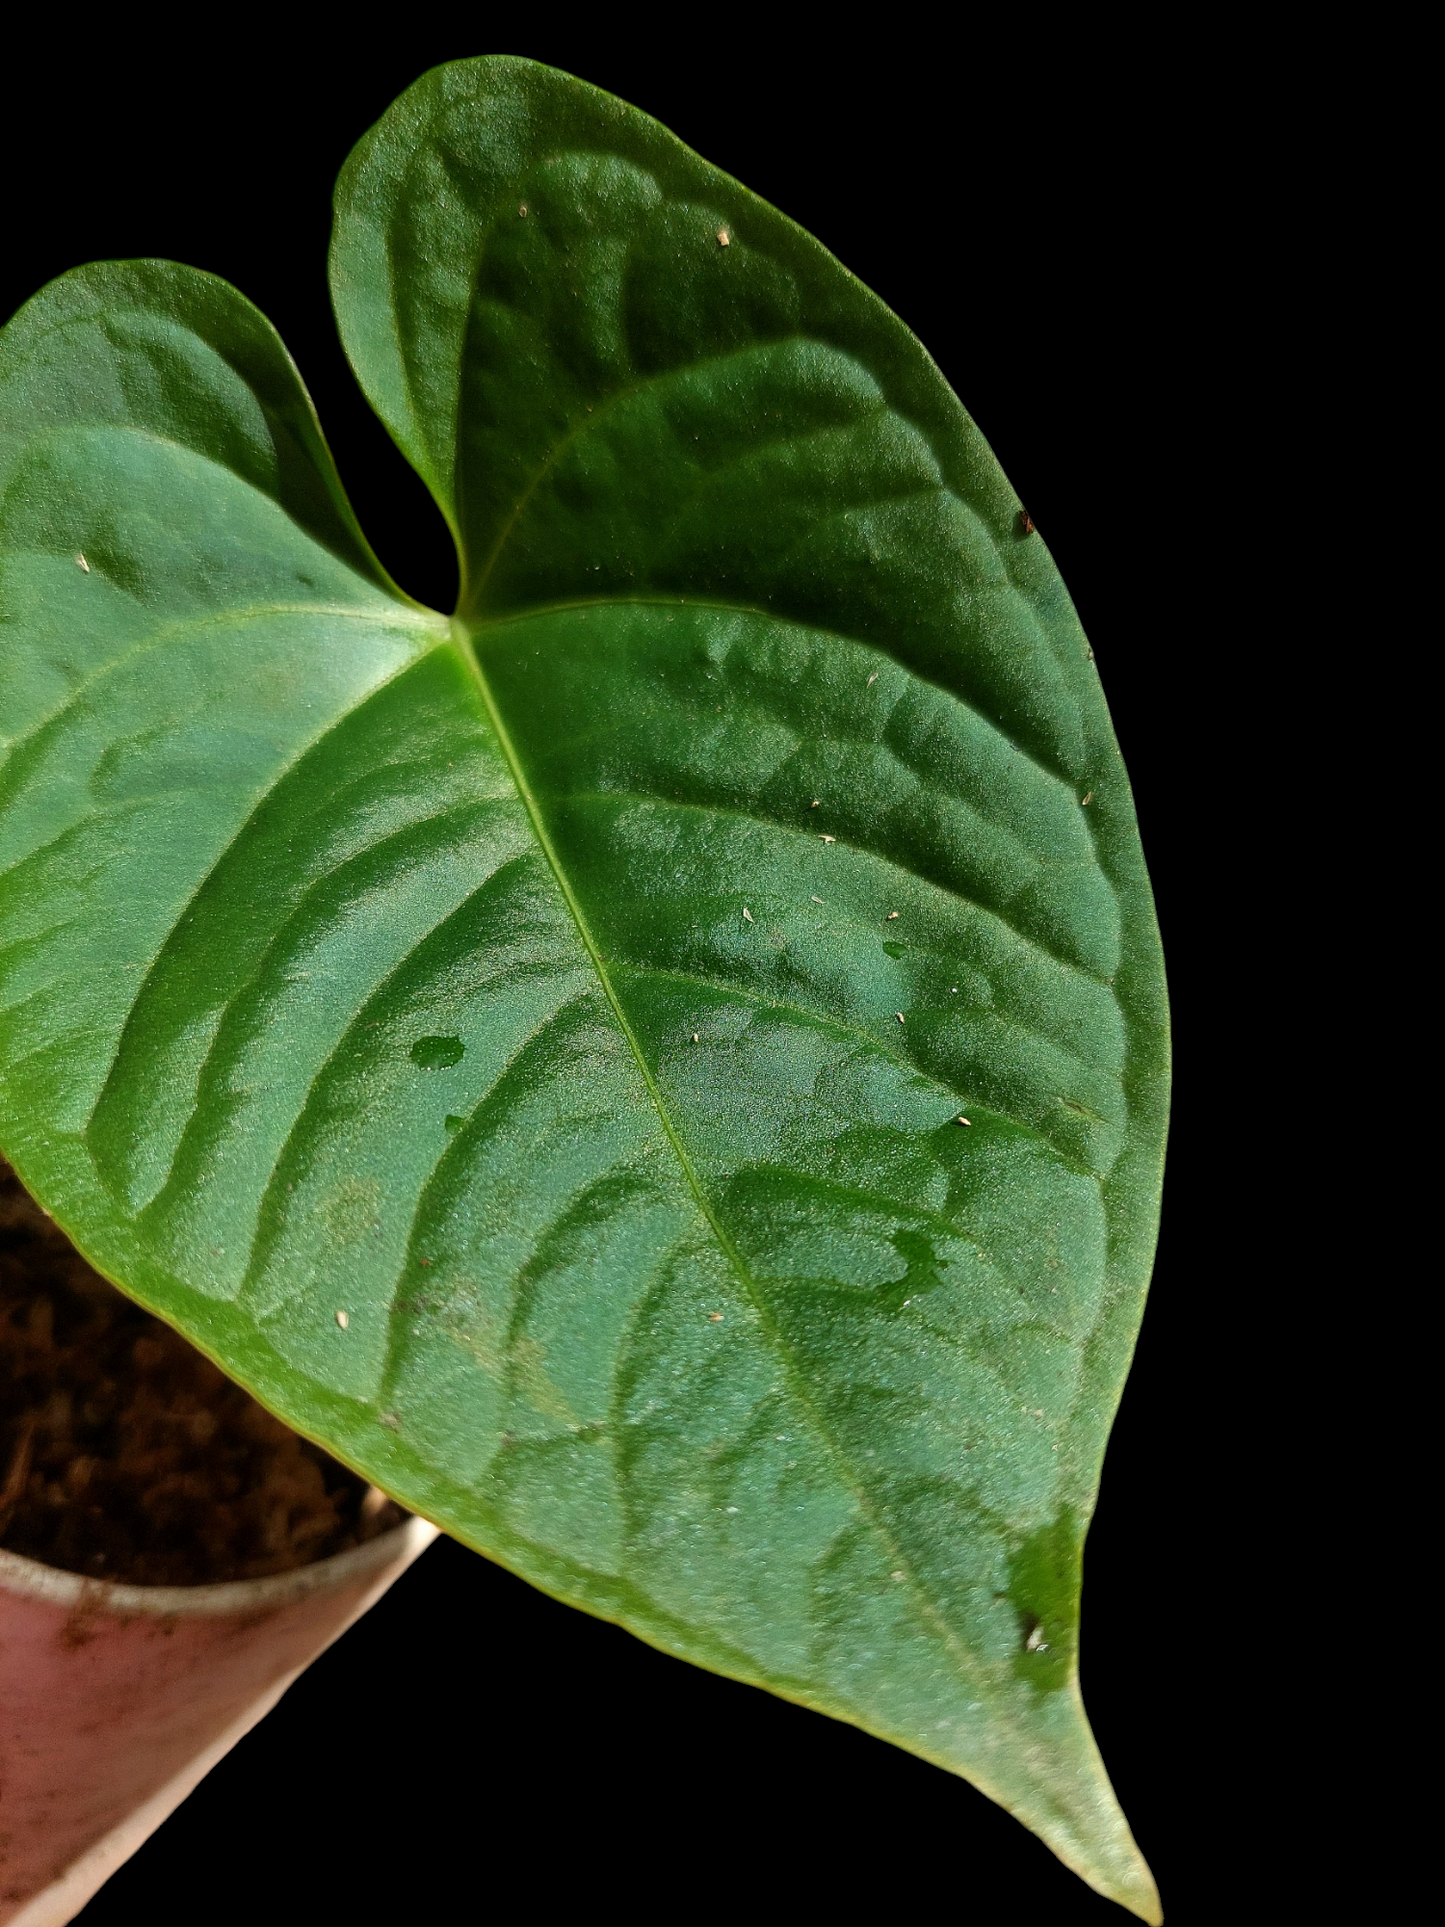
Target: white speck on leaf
(82,563)
(872,679)
(899,1015)
(892,917)
(1087,800)
(1036,1643)
(724,239)
(747,914)
(815,802)
(900,1575)
(964,1120)
(828,839)
(343,1319)
(715,1317)
(817,899)
(694,1036)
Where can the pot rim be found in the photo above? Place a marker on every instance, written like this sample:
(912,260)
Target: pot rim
(74,1592)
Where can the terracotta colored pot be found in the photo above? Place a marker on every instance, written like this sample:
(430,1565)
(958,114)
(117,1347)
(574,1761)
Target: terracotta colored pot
(115,1701)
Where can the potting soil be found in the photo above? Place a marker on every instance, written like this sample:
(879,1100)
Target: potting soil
(126,1455)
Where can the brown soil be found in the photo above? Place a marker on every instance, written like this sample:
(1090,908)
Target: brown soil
(126,1455)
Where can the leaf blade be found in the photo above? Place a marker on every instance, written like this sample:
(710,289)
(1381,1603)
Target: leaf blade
(700,1335)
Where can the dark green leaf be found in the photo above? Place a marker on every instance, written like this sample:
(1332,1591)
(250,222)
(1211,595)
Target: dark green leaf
(698,1012)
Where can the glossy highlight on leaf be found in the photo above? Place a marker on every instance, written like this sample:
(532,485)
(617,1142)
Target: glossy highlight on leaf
(701,999)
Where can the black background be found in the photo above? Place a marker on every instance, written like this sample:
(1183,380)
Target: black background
(1063,233)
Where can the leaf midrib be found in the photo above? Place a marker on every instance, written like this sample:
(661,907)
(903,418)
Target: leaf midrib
(966,1661)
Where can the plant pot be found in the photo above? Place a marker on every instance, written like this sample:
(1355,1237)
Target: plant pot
(115,1701)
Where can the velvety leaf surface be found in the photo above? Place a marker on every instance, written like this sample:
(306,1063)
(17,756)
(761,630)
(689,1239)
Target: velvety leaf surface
(583,996)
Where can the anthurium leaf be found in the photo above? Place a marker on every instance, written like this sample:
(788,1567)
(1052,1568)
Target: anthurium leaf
(665,1071)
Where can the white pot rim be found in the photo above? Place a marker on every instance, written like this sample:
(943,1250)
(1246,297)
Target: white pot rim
(375,1566)
(74,1592)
